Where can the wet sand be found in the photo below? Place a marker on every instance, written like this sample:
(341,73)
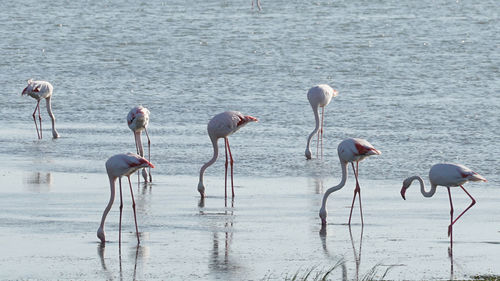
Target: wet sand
(270,231)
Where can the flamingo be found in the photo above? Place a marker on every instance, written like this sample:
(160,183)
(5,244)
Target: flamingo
(117,166)
(349,151)
(258,5)
(319,96)
(446,175)
(41,90)
(138,121)
(223,125)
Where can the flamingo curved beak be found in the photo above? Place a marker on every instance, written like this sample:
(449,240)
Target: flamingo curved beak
(403,191)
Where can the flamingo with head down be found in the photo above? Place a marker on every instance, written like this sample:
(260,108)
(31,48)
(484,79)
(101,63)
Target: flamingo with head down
(349,151)
(117,166)
(223,125)
(138,121)
(41,90)
(318,96)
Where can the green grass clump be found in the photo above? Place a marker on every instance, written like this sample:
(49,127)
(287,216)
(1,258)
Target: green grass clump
(486,277)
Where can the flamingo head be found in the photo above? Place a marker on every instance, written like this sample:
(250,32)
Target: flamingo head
(201,189)
(406,184)
(28,88)
(308,154)
(101,235)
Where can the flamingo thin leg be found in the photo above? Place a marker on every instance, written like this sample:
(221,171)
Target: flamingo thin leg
(138,152)
(225,171)
(133,207)
(357,191)
(37,107)
(450,227)
(471,204)
(231,162)
(39,118)
(149,154)
(321,129)
(121,209)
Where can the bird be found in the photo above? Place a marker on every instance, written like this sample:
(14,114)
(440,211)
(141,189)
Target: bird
(138,121)
(318,96)
(117,166)
(223,125)
(448,175)
(352,151)
(258,4)
(41,90)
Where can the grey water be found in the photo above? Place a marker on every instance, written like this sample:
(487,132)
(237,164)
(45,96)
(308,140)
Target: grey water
(418,79)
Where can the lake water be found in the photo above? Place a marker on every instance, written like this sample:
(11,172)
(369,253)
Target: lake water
(418,79)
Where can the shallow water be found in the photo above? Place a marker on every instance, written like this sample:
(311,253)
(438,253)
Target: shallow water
(418,79)
(270,231)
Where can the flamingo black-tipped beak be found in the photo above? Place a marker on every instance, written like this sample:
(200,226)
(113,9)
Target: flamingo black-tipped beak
(403,191)
(24,91)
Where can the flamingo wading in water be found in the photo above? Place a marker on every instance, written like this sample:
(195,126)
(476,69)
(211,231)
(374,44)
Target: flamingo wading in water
(117,166)
(138,121)
(349,151)
(258,5)
(447,175)
(318,96)
(41,90)
(223,125)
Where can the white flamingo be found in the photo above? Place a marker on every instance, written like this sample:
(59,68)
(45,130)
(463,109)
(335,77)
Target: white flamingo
(318,96)
(223,125)
(41,90)
(138,121)
(258,4)
(447,175)
(117,166)
(349,151)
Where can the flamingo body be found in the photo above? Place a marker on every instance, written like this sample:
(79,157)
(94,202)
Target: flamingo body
(138,121)
(41,90)
(223,125)
(318,96)
(117,166)
(349,151)
(448,175)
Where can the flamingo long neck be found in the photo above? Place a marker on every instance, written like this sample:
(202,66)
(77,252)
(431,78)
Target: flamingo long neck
(138,141)
(52,117)
(112,181)
(343,165)
(429,193)
(316,117)
(214,158)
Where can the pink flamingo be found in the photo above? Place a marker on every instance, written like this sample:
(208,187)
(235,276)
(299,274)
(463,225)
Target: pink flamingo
(446,175)
(138,121)
(41,90)
(223,125)
(349,151)
(319,96)
(117,166)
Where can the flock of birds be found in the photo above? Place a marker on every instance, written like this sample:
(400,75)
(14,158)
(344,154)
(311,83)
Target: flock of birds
(352,150)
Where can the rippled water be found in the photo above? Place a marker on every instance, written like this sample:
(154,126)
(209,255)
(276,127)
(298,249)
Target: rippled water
(418,79)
